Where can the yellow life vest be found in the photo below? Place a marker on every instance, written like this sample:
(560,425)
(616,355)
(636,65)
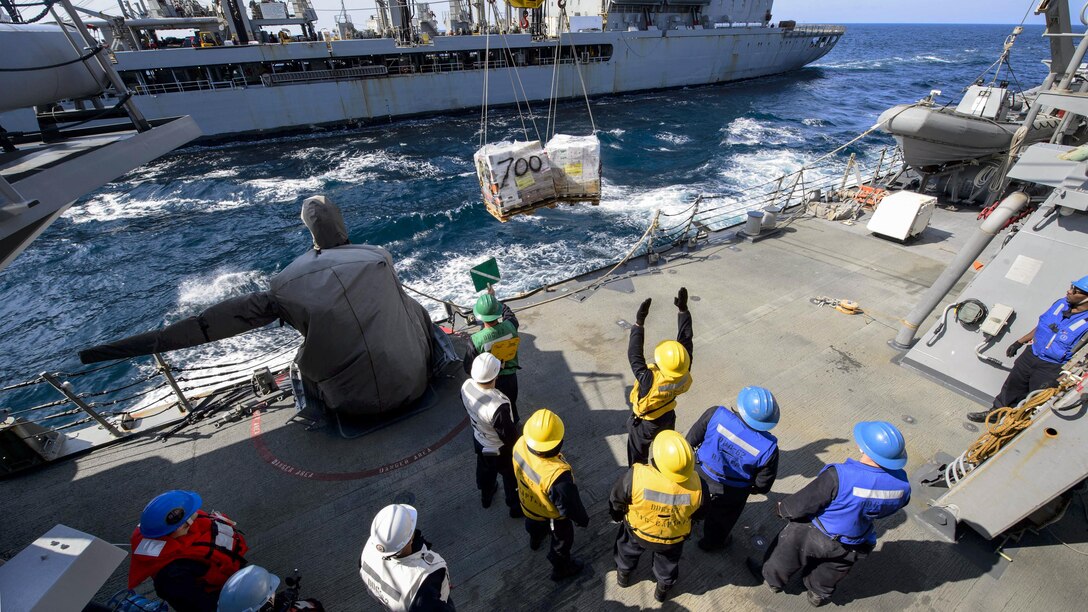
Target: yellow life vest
(536,475)
(661,509)
(662,395)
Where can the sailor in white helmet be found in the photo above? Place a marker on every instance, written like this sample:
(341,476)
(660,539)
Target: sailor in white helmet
(398,566)
(494,432)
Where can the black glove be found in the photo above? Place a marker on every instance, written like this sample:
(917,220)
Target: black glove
(643,310)
(681,299)
(1014,348)
(616,515)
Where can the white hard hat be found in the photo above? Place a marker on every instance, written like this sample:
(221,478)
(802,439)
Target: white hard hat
(393,528)
(485,368)
(248,590)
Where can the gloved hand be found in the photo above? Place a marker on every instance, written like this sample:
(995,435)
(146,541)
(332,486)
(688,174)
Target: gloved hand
(1014,348)
(615,515)
(643,310)
(681,299)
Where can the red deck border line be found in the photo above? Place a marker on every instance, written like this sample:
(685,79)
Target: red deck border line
(269,457)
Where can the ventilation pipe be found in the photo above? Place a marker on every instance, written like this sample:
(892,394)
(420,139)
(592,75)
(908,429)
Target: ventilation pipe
(967,255)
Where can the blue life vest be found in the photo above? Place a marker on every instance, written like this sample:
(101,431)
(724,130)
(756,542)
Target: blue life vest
(1056,335)
(865,493)
(731,451)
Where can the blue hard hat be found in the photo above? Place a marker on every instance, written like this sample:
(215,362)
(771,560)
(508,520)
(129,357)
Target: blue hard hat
(1081,284)
(249,590)
(758,408)
(882,442)
(164,514)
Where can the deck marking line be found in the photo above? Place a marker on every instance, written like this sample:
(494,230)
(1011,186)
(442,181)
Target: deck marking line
(269,457)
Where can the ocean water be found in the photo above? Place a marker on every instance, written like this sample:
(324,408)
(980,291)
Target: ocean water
(210,222)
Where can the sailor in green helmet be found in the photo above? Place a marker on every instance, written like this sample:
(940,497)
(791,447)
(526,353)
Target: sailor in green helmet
(499,337)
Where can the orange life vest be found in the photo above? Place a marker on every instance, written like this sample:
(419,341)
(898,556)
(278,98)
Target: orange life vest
(211,539)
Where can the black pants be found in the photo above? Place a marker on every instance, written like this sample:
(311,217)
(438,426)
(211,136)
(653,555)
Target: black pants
(508,384)
(640,434)
(823,562)
(562,531)
(488,467)
(666,557)
(720,513)
(1028,374)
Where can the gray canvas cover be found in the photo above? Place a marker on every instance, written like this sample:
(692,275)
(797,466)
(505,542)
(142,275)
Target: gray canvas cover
(366,346)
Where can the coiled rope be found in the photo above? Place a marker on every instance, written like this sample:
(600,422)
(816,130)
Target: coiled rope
(1004,424)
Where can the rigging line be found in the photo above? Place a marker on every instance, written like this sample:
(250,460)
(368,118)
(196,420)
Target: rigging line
(78,373)
(131,397)
(439,300)
(510,73)
(487,72)
(578,69)
(516,73)
(27,383)
(553,103)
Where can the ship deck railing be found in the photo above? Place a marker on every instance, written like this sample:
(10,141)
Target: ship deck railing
(180,86)
(816,30)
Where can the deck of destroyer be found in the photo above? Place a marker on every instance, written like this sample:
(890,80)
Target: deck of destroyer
(305,498)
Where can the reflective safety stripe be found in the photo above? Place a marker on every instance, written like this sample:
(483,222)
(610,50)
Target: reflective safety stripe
(224,536)
(728,435)
(530,472)
(150,548)
(388,588)
(877,493)
(1078,325)
(677,499)
(676,385)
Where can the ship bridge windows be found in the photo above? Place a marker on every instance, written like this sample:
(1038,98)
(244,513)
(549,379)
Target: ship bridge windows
(266,74)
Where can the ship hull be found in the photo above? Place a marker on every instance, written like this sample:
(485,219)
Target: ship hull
(640,61)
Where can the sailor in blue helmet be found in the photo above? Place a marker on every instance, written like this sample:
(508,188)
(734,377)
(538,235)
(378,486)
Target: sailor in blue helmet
(1060,332)
(831,518)
(188,553)
(735,456)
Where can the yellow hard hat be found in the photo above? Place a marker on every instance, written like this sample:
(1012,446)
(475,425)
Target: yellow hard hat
(672,455)
(543,431)
(672,358)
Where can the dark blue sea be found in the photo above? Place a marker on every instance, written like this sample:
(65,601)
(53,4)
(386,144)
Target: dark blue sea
(211,222)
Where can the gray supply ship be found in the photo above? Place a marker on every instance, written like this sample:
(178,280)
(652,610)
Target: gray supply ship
(407,64)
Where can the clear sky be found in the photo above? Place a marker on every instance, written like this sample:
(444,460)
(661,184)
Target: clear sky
(804,11)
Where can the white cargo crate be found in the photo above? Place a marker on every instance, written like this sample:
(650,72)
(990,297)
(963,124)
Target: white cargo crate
(514,175)
(576,165)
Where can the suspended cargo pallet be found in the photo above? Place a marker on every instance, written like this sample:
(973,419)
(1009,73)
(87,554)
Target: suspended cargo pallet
(521,177)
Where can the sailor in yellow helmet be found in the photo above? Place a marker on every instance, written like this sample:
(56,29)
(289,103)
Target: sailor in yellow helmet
(653,395)
(655,504)
(549,497)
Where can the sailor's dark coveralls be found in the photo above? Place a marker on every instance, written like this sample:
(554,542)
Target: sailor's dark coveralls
(802,546)
(1057,336)
(723,504)
(641,432)
(507,382)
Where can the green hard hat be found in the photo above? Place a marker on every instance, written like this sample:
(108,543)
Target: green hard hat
(487,308)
